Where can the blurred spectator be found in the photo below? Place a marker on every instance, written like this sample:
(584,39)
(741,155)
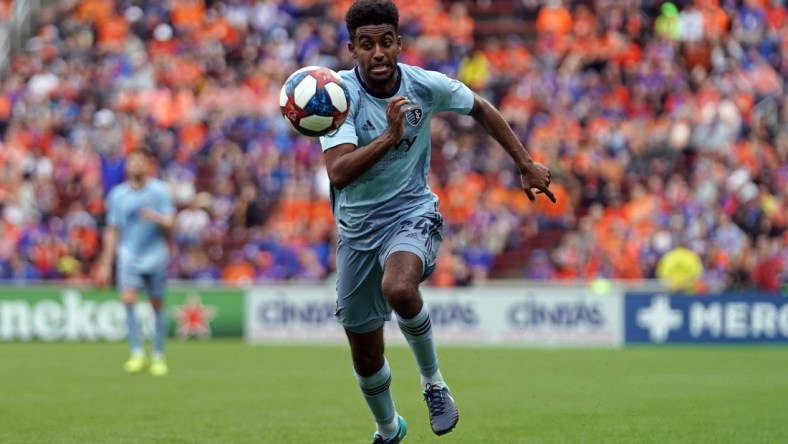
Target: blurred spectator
(238,271)
(669,23)
(539,266)
(681,270)
(554,19)
(192,222)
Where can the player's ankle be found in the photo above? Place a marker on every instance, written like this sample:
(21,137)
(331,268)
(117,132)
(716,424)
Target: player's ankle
(388,430)
(434,379)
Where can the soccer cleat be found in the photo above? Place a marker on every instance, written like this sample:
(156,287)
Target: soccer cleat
(397,437)
(136,364)
(443,412)
(158,367)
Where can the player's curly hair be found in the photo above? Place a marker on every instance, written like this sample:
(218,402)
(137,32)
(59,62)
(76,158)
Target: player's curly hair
(371,12)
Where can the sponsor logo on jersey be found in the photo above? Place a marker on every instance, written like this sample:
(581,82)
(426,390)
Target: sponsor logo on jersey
(414,115)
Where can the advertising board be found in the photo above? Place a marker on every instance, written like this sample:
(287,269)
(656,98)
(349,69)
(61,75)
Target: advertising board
(724,318)
(534,317)
(50,314)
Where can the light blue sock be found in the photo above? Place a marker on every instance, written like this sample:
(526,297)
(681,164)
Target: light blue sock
(160,332)
(418,333)
(377,392)
(135,341)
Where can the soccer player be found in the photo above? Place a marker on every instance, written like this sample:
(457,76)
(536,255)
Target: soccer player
(387,217)
(140,213)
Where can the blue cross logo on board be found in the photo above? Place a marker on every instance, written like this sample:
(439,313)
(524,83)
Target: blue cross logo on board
(659,319)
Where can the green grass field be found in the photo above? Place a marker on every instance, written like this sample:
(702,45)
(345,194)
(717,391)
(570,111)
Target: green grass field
(230,392)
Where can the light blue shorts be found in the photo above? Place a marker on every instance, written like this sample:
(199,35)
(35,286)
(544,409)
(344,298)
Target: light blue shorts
(361,305)
(152,284)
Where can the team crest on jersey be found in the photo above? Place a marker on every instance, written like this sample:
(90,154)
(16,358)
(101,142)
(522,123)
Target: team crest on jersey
(414,115)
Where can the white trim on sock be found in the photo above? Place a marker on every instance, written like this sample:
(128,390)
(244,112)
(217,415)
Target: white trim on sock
(387,430)
(435,379)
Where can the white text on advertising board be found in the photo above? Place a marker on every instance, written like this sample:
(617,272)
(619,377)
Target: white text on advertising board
(735,320)
(71,318)
(739,320)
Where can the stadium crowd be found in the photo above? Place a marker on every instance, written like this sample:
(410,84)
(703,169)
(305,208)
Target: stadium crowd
(665,125)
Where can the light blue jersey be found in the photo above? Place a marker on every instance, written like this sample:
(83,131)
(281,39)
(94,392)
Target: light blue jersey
(396,187)
(142,245)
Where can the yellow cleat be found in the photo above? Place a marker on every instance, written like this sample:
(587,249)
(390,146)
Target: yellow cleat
(158,367)
(136,364)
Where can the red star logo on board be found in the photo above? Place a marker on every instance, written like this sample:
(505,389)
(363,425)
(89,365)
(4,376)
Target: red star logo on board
(193,318)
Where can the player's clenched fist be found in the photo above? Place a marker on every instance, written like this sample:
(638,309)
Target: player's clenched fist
(395,115)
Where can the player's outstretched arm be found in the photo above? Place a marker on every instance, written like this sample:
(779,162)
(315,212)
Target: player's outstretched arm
(345,163)
(532,174)
(103,272)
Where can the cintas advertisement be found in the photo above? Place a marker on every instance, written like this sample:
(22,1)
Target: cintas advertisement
(725,318)
(533,316)
(48,314)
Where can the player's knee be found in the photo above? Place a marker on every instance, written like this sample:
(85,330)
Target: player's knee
(400,294)
(367,363)
(128,296)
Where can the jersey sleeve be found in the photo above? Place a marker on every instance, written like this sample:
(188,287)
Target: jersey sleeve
(346,133)
(450,94)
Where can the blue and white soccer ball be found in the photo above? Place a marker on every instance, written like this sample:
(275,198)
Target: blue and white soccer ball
(315,101)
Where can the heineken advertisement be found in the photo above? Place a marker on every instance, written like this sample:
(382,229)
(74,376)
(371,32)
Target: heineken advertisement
(50,314)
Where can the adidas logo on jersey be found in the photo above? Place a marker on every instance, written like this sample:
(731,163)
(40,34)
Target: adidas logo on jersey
(368,126)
